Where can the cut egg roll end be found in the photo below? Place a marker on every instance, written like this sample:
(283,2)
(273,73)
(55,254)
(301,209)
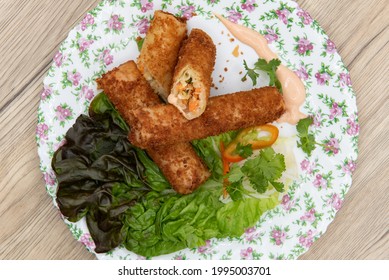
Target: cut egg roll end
(193,75)
(160,49)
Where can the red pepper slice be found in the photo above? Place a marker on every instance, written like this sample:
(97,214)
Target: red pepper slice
(258,136)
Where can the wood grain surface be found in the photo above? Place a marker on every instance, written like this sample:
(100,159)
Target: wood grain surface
(30,33)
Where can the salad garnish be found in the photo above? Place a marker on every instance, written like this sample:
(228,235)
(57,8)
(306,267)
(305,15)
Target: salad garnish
(269,68)
(307,140)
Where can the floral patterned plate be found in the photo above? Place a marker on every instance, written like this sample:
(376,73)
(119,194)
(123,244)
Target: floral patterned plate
(105,38)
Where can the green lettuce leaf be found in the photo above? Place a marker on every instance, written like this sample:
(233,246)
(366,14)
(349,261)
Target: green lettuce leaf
(154,176)
(127,201)
(177,221)
(189,221)
(209,150)
(101,105)
(239,215)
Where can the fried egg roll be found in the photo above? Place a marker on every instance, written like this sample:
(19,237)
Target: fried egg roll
(193,75)
(128,90)
(160,49)
(164,125)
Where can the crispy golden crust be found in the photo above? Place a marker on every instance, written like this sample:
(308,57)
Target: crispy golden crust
(160,49)
(164,125)
(181,166)
(197,56)
(128,90)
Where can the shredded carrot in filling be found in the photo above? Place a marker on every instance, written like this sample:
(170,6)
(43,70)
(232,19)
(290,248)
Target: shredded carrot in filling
(193,104)
(188,95)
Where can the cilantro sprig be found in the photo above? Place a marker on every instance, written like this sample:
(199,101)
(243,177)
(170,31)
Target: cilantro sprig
(307,140)
(139,42)
(244,150)
(262,172)
(268,67)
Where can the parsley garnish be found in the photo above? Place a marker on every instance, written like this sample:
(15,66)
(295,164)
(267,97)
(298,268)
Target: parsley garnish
(268,67)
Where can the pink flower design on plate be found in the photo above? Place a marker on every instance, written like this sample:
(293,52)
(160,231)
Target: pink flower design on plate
(286,203)
(279,236)
(336,201)
(62,113)
(283,15)
(317,120)
(249,6)
(304,45)
(344,79)
(143,25)
(187,11)
(349,167)
(322,79)
(271,36)
(59,144)
(302,73)
(353,126)
(46,92)
(306,240)
(332,146)
(285,199)
(234,16)
(87,92)
(330,46)
(251,234)
(307,19)
(146,6)
(58,59)
(246,254)
(320,182)
(87,240)
(106,57)
(84,44)
(87,20)
(74,78)
(335,111)
(41,131)
(309,216)
(49,178)
(250,230)
(114,23)
(307,166)
(205,249)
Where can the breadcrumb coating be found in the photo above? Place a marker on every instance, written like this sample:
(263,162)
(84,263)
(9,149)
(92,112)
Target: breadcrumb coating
(160,49)
(128,91)
(164,125)
(196,62)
